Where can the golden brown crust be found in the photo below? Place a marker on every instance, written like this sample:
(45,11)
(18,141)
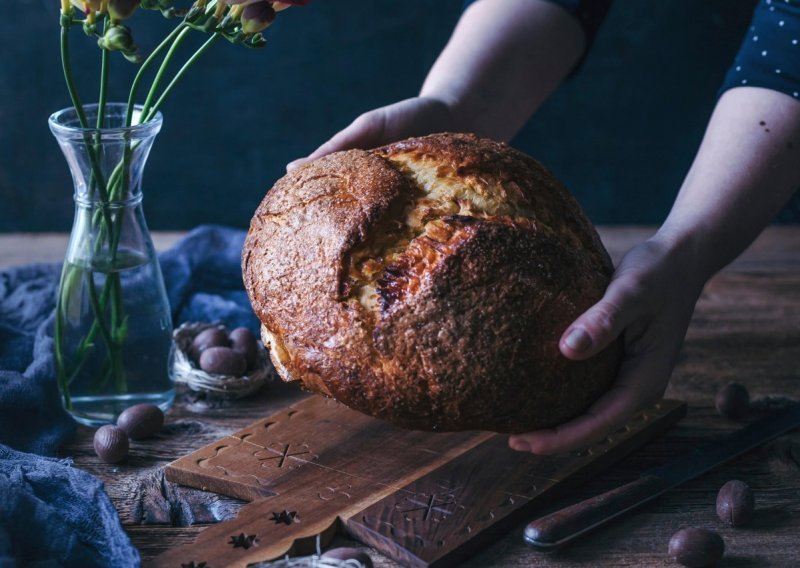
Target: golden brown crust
(427,283)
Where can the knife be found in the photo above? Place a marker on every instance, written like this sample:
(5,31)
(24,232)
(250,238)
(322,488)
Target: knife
(562,526)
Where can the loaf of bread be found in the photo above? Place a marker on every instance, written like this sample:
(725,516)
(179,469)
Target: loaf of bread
(428,282)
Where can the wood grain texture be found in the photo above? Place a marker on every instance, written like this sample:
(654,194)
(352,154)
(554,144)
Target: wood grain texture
(423,499)
(24,248)
(746,328)
(445,516)
(315,432)
(318,461)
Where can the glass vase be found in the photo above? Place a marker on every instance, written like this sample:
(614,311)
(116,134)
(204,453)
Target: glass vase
(113,328)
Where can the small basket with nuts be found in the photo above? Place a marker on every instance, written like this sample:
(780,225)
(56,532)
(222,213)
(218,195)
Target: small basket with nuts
(207,358)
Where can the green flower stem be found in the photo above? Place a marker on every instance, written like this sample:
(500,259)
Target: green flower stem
(71,276)
(58,338)
(66,284)
(101,106)
(73,91)
(145,66)
(179,75)
(110,230)
(99,306)
(94,301)
(87,343)
(179,35)
(119,325)
(162,70)
(76,101)
(115,181)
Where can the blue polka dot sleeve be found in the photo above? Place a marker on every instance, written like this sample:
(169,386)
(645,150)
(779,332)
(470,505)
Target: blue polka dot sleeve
(770,53)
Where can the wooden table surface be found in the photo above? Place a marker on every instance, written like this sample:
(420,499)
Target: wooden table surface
(746,329)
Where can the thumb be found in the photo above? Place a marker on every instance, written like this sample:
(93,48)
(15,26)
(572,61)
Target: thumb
(600,325)
(364,132)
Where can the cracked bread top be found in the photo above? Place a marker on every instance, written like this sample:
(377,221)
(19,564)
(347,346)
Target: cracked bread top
(428,282)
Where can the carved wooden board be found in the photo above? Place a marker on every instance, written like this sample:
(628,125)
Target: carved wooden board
(421,498)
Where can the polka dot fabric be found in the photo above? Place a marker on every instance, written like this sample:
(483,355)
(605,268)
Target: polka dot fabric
(770,53)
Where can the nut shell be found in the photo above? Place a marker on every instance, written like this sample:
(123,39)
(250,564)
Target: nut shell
(211,337)
(696,548)
(733,401)
(243,341)
(428,283)
(141,420)
(223,361)
(735,503)
(111,443)
(347,553)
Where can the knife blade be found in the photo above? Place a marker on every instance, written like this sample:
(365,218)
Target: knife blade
(562,526)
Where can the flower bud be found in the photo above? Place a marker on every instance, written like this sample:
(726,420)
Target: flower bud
(119,38)
(255,40)
(257,17)
(90,27)
(278,6)
(121,9)
(133,57)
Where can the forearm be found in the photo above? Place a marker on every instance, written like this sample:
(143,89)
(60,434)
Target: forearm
(503,60)
(747,167)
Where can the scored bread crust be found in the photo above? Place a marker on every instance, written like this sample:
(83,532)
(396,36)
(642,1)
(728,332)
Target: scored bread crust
(427,283)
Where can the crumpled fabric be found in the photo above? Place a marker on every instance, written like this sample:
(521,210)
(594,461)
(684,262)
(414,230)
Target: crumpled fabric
(52,514)
(56,515)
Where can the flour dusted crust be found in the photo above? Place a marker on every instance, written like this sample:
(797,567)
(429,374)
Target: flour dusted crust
(427,283)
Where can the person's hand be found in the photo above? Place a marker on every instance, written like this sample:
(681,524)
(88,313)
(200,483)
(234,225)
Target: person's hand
(412,117)
(650,302)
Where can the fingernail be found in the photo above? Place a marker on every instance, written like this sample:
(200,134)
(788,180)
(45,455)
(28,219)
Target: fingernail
(293,165)
(519,446)
(578,340)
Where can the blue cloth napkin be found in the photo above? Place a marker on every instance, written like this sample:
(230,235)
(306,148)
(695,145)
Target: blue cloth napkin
(50,513)
(56,515)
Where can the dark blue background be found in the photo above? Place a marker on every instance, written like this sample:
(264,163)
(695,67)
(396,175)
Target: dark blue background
(621,133)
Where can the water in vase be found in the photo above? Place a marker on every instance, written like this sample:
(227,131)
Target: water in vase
(124,361)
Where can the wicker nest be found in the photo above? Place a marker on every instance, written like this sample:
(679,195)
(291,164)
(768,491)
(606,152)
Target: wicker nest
(186,371)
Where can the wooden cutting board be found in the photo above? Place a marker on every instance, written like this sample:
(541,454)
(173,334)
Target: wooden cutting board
(421,498)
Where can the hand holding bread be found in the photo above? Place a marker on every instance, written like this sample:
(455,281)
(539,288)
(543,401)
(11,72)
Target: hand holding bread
(428,283)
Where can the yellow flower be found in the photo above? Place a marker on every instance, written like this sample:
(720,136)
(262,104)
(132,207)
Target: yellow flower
(87,6)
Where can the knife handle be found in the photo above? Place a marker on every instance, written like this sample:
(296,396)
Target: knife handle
(561,526)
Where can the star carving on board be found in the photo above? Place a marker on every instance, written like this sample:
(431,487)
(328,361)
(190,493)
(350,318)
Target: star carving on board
(285,517)
(243,541)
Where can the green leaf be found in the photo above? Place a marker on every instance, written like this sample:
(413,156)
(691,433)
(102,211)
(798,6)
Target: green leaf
(121,333)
